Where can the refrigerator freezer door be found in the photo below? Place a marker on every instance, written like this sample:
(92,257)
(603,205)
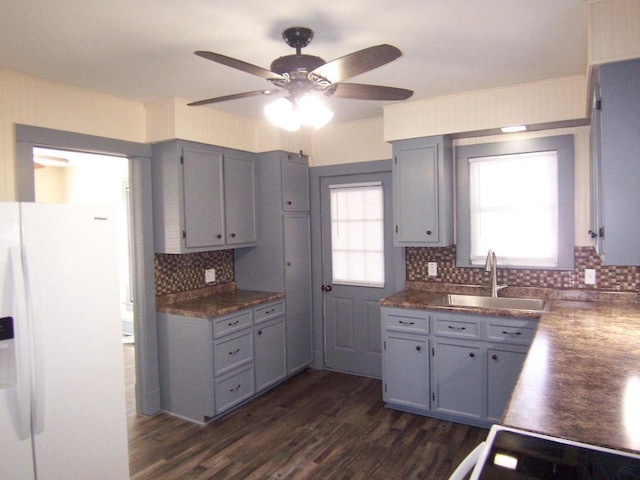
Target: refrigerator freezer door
(16,455)
(79,417)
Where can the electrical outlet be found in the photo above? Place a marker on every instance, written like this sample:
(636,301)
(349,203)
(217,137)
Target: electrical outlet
(210,275)
(590,276)
(432,269)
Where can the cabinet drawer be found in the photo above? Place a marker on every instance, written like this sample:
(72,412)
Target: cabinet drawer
(234,388)
(402,320)
(268,311)
(460,328)
(518,332)
(232,352)
(231,323)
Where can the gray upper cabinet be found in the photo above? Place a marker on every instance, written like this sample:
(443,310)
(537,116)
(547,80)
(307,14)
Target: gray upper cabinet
(282,260)
(295,181)
(423,192)
(203,197)
(615,156)
(239,199)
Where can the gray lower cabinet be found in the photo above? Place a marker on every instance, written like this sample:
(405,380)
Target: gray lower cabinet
(282,259)
(458,367)
(270,349)
(504,363)
(458,378)
(405,358)
(210,365)
(203,197)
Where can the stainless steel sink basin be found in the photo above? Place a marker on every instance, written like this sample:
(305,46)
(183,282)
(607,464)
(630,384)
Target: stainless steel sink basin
(502,303)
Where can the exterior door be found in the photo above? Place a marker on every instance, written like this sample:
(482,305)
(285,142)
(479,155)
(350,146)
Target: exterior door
(351,307)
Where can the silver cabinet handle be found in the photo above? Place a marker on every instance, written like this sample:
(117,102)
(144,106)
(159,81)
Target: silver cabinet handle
(504,332)
(231,324)
(235,389)
(456,328)
(402,322)
(235,352)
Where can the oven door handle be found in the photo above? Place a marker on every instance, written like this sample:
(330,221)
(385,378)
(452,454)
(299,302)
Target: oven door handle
(468,463)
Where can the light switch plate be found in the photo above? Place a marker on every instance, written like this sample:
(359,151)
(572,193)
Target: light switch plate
(590,276)
(432,269)
(210,275)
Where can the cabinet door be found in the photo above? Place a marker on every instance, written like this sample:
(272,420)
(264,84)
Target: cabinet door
(295,179)
(423,192)
(406,370)
(270,353)
(596,229)
(503,368)
(415,173)
(203,200)
(297,273)
(620,171)
(239,199)
(458,378)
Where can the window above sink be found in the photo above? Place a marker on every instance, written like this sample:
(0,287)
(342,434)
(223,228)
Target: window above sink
(516,198)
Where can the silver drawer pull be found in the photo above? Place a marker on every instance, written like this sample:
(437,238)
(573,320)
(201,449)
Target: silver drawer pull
(504,332)
(269,311)
(235,352)
(231,324)
(406,323)
(456,328)
(235,389)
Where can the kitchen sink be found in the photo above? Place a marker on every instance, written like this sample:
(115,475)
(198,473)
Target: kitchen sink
(502,303)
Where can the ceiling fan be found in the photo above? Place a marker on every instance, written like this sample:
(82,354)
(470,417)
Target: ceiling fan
(300,74)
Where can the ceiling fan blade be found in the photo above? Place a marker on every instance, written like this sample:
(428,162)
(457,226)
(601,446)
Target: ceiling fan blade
(232,97)
(240,65)
(368,92)
(356,63)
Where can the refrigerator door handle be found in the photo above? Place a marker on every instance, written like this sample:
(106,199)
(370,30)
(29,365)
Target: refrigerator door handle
(23,347)
(36,349)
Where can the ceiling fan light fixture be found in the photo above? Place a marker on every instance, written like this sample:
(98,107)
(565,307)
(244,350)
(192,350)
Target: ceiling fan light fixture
(307,110)
(282,114)
(313,112)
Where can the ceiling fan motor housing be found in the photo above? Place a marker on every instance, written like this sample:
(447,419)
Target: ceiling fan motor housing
(296,63)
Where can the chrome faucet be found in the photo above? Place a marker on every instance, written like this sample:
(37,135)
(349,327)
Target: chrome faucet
(492,266)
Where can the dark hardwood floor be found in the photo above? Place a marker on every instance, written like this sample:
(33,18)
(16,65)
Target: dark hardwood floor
(319,424)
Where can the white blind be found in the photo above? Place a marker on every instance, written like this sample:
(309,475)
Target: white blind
(357,234)
(514,208)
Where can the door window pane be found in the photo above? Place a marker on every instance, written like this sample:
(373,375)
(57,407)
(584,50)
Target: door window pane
(357,234)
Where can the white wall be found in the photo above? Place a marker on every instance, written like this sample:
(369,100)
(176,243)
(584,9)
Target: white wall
(31,101)
(350,142)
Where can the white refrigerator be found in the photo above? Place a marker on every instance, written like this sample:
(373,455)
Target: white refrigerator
(62,399)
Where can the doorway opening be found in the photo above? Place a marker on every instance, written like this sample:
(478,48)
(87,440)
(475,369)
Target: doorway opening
(66,176)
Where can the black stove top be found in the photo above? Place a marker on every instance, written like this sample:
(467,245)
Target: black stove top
(519,455)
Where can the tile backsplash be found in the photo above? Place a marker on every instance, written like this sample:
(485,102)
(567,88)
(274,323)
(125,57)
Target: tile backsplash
(180,273)
(609,278)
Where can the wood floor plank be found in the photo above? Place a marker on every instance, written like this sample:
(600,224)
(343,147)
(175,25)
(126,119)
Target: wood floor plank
(317,425)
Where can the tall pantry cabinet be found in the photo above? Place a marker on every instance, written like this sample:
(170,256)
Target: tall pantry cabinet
(282,259)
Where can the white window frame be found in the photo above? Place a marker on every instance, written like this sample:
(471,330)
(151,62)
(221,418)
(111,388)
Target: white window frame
(563,146)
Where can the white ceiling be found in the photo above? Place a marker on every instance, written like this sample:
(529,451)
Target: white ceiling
(143,49)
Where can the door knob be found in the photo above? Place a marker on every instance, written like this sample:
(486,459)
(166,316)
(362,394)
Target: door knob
(326,288)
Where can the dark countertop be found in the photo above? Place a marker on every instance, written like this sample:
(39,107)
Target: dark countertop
(215,303)
(581,378)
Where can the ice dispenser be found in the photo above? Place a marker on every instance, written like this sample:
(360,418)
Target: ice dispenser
(7,353)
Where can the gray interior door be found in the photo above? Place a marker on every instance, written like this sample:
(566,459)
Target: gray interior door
(352,311)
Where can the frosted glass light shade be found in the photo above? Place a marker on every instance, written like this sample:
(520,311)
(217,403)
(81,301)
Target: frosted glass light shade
(308,110)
